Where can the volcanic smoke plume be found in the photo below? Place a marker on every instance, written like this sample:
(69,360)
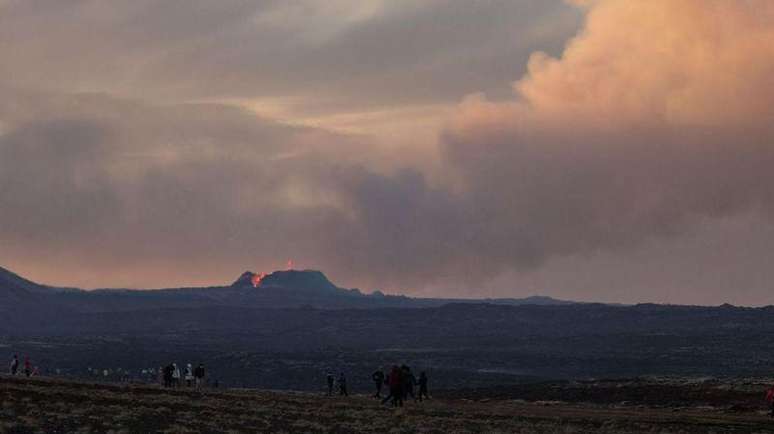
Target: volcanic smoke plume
(655,121)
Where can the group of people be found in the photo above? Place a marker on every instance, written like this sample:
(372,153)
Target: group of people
(341,382)
(173,378)
(28,369)
(400,381)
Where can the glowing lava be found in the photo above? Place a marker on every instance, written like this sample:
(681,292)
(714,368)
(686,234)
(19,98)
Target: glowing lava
(256,279)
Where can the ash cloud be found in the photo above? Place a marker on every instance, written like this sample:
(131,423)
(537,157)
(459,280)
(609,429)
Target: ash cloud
(634,135)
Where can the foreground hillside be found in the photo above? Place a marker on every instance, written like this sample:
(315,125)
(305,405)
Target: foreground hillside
(60,406)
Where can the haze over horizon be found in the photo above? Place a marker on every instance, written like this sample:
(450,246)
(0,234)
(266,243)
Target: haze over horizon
(592,150)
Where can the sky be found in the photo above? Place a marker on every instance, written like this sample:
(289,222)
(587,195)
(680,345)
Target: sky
(596,150)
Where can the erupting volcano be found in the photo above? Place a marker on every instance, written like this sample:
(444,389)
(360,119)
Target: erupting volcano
(298,280)
(256,278)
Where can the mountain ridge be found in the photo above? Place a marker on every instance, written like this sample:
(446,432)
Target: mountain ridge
(278,289)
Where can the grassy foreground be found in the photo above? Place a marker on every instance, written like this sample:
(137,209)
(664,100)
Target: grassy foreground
(49,405)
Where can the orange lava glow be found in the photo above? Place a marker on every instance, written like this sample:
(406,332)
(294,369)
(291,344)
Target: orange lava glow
(256,280)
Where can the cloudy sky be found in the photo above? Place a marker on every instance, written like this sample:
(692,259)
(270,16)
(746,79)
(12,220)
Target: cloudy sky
(602,150)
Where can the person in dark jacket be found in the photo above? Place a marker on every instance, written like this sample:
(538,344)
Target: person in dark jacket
(409,380)
(15,364)
(199,376)
(378,378)
(342,385)
(770,400)
(422,382)
(168,371)
(395,383)
(27,366)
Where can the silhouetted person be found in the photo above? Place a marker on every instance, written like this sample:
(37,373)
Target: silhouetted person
(330,381)
(395,383)
(199,375)
(770,400)
(422,382)
(27,366)
(15,364)
(408,382)
(342,385)
(168,371)
(378,378)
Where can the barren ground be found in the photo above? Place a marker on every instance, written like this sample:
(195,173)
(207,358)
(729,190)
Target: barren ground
(48,405)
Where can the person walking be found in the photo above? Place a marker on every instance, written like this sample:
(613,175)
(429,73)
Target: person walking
(422,382)
(378,378)
(342,385)
(15,364)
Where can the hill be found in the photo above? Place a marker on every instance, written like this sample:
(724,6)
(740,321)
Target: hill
(40,405)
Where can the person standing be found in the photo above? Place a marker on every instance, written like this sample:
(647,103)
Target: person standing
(422,382)
(409,380)
(395,382)
(189,377)
(770,400)
(329,378)
(199,376)
(168,370)
(27,366)
(175,376)
(15,364)
(378,378)
(342,385)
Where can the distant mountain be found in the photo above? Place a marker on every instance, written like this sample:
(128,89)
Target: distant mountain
(280,289)
(10,281)
(537,300)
